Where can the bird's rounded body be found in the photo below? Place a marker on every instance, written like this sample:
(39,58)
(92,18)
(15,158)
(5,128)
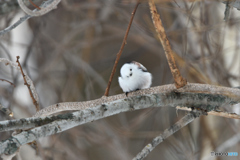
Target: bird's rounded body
(134,76)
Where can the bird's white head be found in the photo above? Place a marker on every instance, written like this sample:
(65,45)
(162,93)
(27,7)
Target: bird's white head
(132,68)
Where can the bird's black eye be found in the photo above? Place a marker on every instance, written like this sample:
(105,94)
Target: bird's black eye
(130,69)
(130,74)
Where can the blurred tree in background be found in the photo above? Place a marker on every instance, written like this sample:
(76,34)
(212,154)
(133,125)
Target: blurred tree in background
(69,54)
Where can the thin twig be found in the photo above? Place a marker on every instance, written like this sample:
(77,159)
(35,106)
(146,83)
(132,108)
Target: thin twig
(11,27)
(215,113)
(8,82)
(44,10)
(35,102)
(167,132)
(179,80)
(36,6)
(29,81)
(121,49)
(176,3)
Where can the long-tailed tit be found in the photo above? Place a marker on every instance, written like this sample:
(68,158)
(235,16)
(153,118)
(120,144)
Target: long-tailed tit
(134,76)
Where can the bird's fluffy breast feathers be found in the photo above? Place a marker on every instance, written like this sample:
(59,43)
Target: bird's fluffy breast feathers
(134,76)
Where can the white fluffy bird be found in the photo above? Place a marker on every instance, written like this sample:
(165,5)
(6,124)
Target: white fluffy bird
(134,76)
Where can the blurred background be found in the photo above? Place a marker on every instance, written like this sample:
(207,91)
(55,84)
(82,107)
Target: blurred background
(69,54)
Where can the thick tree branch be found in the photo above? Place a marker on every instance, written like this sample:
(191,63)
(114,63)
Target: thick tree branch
(201,96)
(204,97)
(167,90)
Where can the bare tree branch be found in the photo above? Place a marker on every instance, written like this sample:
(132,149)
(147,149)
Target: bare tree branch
(28,81)
(35,102)
(167,90)
(8,82)
(215,113)
(36,6)
(121,49)
(162,96)
(178,79)
(23,19)
(229,3)
(8,29)
(227,11)
(167,132)
(52,4)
